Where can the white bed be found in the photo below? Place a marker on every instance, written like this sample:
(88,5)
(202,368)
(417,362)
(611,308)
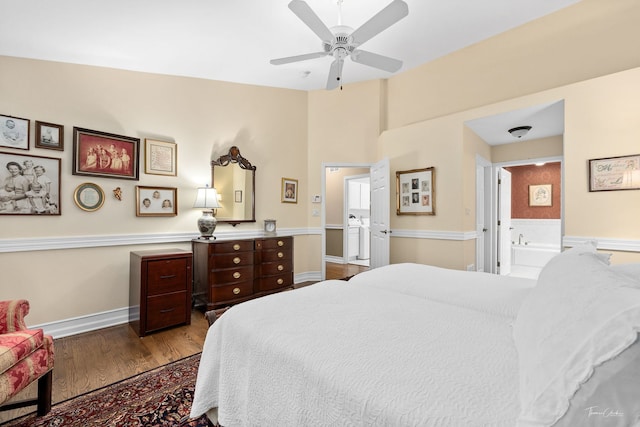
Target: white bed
(403,345)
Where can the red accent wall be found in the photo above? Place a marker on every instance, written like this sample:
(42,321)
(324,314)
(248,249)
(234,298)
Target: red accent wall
(521,178)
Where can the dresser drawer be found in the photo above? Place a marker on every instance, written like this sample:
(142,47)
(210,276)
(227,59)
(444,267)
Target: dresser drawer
(166,310)
(275,282)
(221,294)
(238,259)
(275,243)
(231,275)
(231,247)
(272,268)
(166,275)
(275,255)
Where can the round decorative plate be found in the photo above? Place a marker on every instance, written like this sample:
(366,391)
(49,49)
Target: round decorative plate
(89,197)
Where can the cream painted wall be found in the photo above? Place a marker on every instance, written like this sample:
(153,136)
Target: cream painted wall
(416,118)
(205,118)
(537,148)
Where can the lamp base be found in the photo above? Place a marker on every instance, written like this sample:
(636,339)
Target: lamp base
(207,224)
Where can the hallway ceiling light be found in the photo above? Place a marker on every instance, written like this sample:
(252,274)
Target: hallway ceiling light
(520,131)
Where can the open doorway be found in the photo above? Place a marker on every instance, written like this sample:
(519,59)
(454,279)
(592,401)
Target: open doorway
(357,214)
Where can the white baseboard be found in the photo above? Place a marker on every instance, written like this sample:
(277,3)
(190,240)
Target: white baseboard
(106,319)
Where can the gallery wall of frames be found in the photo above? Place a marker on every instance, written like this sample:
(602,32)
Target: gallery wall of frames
(31,184)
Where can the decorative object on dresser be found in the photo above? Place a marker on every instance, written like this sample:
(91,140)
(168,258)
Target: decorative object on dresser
(233,177)
(270,226)
(159,289)
(232,271)
(207,198)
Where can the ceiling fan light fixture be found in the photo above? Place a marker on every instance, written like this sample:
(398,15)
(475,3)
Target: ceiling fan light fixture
(519,131)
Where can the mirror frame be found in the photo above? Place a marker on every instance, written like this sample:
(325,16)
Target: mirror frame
(229,159)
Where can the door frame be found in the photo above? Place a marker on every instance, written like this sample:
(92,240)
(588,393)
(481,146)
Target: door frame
(323,208)
(345,213)
(491,197)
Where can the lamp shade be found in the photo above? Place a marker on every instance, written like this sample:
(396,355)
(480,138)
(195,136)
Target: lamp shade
(207,198)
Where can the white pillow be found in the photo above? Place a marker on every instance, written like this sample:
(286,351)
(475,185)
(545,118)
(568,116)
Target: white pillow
(630,270)
(580,315)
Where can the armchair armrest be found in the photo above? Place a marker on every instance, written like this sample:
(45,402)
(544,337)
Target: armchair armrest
(12,315)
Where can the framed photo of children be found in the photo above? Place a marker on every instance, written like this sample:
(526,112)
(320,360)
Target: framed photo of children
(289,190)
(415,190)
(14,132)
(49,136)
(29,185)
(105,155)
(156,201)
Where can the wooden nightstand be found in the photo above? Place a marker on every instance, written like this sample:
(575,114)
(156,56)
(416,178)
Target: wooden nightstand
(159,289)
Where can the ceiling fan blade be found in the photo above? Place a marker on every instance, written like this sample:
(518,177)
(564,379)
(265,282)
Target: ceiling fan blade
(297,58)
(335,74)
(388,16)
(377,61)
(309,17)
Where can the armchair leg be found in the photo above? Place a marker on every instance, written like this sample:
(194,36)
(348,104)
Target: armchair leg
(45,386)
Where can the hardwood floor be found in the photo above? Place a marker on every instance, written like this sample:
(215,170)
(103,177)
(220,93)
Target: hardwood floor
(92,360)
(341,271)
(86,362)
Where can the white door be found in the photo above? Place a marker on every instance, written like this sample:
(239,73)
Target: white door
(504,222)
(380,215)
(480,218)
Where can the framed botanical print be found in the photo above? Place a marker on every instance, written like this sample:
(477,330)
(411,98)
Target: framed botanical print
(14,132)
(29,185)
(104,154)
(540,195)
(156,201)
(415,192)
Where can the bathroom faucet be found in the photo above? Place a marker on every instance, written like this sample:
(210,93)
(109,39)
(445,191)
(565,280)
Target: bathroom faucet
(520,239)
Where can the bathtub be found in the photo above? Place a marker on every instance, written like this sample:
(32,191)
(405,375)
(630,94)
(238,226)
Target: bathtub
(533,254)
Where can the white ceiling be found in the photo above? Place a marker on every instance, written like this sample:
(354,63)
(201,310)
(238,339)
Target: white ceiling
(234,40)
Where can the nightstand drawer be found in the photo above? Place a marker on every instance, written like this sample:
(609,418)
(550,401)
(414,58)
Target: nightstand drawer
(167,275)
(275,282)
(166,310)
(239,259)
(230,247)
(231,275)
(275,243)
(222,294)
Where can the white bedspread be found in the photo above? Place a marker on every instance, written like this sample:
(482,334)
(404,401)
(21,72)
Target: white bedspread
(334,354)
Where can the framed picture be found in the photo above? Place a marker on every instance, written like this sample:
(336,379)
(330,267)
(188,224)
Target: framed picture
(540,195)
(89,197)
(289,190)
(14,132)
(49,136)
(156,201)
(614,173)
(29,185)
(160,157)
(238,196)
(104,154)
(415,190)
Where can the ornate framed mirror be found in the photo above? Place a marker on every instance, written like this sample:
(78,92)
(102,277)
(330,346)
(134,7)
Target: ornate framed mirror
(234,177)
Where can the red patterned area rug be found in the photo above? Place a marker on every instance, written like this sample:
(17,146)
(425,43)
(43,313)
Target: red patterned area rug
(160,397)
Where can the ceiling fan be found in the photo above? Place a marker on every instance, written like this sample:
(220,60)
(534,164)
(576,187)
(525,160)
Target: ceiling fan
(342,41)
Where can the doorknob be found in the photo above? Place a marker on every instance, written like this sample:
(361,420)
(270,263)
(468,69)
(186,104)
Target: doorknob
(484,230)
(383,231)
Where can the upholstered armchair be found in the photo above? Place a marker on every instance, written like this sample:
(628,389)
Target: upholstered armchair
(26,355)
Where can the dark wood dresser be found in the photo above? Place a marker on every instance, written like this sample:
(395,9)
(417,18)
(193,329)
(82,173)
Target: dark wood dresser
(227,272)
(159,289)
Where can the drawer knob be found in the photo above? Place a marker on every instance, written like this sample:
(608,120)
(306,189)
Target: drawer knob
(237,260)
(236,291)
(236,247)
(280,243)
(280,254)
(280,267)
(280,281)
(236,275)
